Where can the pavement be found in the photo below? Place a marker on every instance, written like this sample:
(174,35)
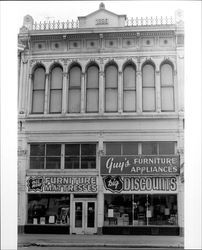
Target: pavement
(127,241)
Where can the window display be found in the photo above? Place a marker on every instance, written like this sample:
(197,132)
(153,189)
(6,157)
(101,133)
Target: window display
(140,210)
(48,209)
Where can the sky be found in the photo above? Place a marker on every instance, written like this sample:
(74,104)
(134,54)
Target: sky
(11,19)
(63,10)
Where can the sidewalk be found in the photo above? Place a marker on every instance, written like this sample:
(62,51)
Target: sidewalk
(128,241)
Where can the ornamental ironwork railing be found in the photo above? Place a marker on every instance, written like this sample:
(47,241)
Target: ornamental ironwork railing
(58,25)
(149,21)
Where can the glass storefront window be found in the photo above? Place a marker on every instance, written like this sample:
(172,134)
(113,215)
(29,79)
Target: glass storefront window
(140,210)
(48,209)
(118,210)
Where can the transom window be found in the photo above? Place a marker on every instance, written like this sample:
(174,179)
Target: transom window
(144,148)
(46,156)
(80,156)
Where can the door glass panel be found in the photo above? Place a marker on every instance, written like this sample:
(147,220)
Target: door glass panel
(78,214)
(91,214)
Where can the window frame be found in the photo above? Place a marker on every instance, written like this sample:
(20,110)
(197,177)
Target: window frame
(148,87)
(55,90)
(92,88)
(114,89)
(74,88)
(167,86)
(80,155)
(34,91)
(130,89)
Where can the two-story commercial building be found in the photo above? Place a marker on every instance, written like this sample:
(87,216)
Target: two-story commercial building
(101,125)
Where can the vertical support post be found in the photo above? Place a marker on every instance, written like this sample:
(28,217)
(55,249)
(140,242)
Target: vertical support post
(83,92)
(46,102)
(101,92)
(139,91)
(120,92)
(158,91)
(64,93)
(29,101)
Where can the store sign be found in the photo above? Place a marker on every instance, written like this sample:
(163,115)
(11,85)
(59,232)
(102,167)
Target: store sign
(140,165)
(61,184)
(117,184)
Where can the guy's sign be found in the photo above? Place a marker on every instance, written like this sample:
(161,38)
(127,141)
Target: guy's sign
(140,165)
(61,184)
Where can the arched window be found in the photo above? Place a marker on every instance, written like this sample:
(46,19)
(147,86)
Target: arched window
(92,89)
(56,90)
(38,92)
(111,89)
(167,88)
(129,89)
(74,104)
(148,88)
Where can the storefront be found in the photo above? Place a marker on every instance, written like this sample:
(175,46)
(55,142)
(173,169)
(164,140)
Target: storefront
(61,204)
(140,194)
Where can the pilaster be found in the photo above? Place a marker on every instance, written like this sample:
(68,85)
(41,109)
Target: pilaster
(158,91)
(46,102)
(120,92)
(83,92)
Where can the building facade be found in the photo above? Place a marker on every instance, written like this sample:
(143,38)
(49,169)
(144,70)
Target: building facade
(101,116)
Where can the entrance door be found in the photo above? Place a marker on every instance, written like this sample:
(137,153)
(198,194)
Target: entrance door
(84,219)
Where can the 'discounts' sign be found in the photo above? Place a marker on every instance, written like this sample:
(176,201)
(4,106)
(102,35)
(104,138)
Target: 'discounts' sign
(140,165)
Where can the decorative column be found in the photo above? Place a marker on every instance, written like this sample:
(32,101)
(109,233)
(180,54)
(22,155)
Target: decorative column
(83,92)
(20,91)
(158,91)
(176,95)
(64,92)
(101,92)
(120,92)
(29,99)
(46,102)
(139,91)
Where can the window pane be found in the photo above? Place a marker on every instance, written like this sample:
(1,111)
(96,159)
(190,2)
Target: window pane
(129,100)
(52,162)
(88,162)
(166,148)
(92,77)
(36,162)
(148,99)
(56,101)
(72,149)
(56,78)
(122,210)
(148,76)
(111,100)
(71,162)
(38,101)
(39,78)
(88,149)
(129,77)
(149,148)
(75,77)
(111,77)
(167,99)
(163,210)
(113,148)
(139,210)
(74,100)
(166,75)
(53,149)
(130,148)
(91,214)
(92,100)
(37,149)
